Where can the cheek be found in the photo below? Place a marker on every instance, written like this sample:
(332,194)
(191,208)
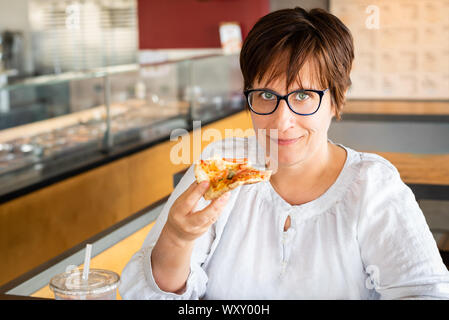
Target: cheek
(323,118)
(259,122)
(311,125)
(320,124)
(328,108)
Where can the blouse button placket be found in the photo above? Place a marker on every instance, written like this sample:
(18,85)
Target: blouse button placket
(283,266)
(285,239)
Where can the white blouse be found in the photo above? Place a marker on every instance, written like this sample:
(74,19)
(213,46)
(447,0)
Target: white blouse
(364,238)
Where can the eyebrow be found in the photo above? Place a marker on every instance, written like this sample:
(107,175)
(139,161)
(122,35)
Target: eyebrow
(269,89)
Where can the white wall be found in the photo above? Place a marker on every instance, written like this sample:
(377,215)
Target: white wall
(14,17)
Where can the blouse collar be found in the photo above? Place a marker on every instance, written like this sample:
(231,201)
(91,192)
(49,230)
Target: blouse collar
(328,199)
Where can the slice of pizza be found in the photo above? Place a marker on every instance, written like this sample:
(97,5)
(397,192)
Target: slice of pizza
(225,174)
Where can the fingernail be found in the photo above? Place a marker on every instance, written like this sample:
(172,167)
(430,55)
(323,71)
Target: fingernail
(205,184)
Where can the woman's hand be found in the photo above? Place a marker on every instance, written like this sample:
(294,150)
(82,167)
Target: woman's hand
(170,258)
(183,225)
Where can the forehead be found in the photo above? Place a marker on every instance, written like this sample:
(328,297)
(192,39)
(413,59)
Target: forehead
(283,75)
(279,81)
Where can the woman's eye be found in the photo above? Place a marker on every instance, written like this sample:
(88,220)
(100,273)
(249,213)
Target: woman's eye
(301,96)
(267,95)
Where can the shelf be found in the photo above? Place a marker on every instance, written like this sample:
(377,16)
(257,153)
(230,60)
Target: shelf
(69,76)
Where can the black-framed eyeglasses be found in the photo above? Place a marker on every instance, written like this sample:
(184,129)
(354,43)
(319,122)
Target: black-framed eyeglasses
(301,102)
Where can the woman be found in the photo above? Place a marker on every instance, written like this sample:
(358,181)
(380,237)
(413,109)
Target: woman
(332,223)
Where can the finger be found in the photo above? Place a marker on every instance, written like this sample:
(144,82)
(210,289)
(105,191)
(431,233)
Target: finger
(192,196)
(211,213)
(188,191)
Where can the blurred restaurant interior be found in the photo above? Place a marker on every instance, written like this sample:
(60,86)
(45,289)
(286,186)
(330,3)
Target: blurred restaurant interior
(92,90)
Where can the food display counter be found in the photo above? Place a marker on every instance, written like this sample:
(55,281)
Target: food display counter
(82,154)
(56,221)
(54,122)
(32,152)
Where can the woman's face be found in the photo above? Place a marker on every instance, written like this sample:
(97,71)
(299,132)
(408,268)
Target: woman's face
(300,138)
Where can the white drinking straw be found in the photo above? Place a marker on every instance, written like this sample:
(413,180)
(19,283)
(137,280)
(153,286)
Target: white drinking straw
(87,262)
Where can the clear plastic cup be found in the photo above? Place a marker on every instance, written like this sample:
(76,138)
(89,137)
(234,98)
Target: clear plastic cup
(100,285)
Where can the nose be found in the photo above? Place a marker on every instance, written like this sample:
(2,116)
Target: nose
(283,117)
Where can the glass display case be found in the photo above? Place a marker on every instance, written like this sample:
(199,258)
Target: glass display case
(215,87)
(53,125)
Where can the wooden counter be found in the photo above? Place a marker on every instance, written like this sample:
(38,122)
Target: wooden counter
(428,169)
(397,107)
(420,111)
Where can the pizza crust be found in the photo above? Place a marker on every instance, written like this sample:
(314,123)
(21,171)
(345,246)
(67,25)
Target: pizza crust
(211,194)
(200,174)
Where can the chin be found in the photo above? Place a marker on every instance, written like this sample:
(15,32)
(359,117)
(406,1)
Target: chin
(287,158)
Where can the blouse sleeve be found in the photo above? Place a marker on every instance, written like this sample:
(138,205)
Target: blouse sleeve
(137,280)
(397,248)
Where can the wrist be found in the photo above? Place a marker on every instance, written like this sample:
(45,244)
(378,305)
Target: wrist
(171,237)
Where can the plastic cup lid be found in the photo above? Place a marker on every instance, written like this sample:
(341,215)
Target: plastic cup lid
(72,283)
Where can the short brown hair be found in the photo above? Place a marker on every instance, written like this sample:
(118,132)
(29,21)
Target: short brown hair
(299,36)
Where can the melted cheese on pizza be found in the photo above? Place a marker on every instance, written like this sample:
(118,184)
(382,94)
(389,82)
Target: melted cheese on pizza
(224,173)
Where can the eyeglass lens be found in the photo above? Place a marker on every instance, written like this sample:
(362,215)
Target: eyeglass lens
(303,102)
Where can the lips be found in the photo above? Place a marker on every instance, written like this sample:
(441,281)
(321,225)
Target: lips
(286,142)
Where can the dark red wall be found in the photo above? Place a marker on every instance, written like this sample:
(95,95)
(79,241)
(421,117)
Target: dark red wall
(165,24)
